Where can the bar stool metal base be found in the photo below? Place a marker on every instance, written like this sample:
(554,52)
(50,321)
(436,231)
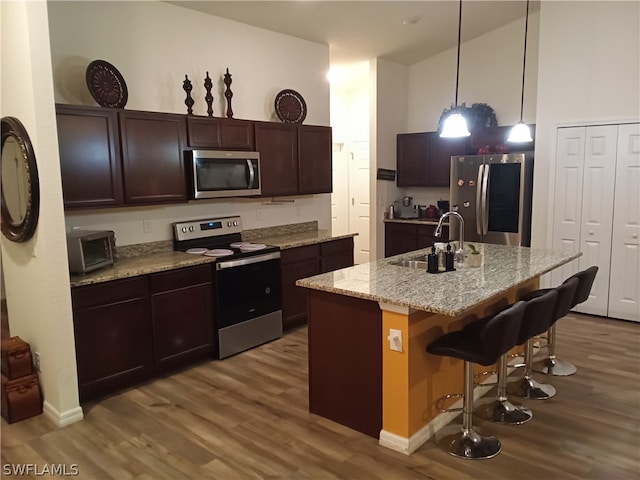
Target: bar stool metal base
(553,366)
(470,444)
(527,387)
(504,412)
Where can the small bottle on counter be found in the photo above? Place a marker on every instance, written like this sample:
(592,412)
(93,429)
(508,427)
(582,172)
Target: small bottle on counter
(449,259)
(432,261)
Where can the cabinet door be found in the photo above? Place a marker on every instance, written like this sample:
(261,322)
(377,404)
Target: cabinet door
(399,238)
(314,159)
(152,154)
(336,254)
(297,263)
(278,147)
(182,315)
(493,136)
(209,132)
(89,145)
(624,288)
(412,159)
(440,152)
(112,328)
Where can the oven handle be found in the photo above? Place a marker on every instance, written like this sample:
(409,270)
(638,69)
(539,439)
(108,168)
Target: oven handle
(246,261)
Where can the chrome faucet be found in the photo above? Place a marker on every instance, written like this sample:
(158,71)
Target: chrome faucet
(459,255)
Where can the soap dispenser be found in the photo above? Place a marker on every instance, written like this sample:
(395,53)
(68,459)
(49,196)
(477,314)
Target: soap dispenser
(449,259)
(432,261)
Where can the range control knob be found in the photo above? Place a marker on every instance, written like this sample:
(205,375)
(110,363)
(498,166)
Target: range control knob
(184,229)
(228,224)
(235,223)
(191,229)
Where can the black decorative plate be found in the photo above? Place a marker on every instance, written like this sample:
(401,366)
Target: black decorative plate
(106,85)
(290,106)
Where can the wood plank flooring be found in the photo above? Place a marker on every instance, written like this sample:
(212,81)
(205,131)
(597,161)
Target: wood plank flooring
(247,418)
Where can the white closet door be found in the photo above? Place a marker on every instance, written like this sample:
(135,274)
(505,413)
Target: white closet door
(597,212)
(624,290)
(568,197)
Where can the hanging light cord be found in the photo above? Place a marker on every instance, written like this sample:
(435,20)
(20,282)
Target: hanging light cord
(524,61)
(459,37)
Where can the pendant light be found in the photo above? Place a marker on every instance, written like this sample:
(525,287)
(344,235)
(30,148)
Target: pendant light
(520,133)
(455,125)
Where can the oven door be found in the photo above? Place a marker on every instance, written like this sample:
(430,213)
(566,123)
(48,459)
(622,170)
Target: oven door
(247,288)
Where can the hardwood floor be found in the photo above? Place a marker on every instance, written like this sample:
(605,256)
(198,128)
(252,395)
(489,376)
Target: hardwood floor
(247,417)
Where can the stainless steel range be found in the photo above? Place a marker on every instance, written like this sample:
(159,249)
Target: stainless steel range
(248,301)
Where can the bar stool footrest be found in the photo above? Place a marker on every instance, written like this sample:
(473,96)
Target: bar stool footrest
(444,398)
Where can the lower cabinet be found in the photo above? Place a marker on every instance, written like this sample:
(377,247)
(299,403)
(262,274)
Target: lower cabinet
(406,237)
(127,331)
(306,261)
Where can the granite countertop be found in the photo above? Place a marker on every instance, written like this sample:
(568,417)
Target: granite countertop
(448,293)
(159,256)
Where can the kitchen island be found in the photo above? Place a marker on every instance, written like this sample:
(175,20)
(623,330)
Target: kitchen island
(356,379)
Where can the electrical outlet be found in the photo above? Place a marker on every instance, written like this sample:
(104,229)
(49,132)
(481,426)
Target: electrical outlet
(146,226)
(395,340)
(36,360)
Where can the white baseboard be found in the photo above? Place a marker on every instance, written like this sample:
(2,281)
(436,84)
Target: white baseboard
(62,419)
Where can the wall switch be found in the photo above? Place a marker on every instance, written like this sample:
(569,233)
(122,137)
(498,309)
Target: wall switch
(146,226)
(36,360)
(395,340)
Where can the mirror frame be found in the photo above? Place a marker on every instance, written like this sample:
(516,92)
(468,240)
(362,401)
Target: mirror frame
(23,231)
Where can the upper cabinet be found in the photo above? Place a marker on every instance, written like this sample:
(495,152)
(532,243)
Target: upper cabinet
(424,159)
(209,132)
(314,159)
(89,143)
(152,152)
(112,157)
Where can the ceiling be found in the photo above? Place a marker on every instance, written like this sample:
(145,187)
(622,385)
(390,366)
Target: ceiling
(404,32)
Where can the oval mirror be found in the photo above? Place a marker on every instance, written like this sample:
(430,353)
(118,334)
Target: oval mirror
(20,185)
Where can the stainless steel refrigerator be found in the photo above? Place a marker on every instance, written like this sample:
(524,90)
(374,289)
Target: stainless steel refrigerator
(493,195)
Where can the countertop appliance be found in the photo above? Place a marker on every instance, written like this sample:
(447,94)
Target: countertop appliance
(220,173)
(493,195)
(248,302)
(89,250)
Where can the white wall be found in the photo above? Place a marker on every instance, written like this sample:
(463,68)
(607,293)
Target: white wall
(490,72)
(153,45)
(388,118)
(589,72)
(36,272)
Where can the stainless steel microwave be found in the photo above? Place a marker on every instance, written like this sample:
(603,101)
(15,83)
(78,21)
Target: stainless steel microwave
(89,250)
(220,173)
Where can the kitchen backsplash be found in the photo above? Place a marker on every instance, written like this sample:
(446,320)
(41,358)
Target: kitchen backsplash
(425,196)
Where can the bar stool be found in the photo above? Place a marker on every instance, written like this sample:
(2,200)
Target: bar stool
(537,320)
(484,346)
(500,409)
(553,365)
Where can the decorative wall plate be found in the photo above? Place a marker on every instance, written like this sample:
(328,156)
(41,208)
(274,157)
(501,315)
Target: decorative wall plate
(106,85)
(290,106)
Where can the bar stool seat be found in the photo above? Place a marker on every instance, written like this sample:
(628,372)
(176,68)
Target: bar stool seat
(537,320)
(484,346)
(551,364)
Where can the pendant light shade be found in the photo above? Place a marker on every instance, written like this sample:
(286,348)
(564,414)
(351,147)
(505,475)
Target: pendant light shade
(521,133)
(455,125)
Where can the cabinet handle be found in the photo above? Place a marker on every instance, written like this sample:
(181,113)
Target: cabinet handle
(590,232)
(635,235)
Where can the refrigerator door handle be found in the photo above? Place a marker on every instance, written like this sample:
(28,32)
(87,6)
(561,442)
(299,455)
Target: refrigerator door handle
(479,220)
(485,211)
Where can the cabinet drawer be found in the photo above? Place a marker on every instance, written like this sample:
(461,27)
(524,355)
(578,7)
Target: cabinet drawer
(300,254)
(180,278)
(336,246)
(109,292)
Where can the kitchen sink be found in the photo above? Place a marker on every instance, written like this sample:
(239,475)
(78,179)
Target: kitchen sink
(415,262)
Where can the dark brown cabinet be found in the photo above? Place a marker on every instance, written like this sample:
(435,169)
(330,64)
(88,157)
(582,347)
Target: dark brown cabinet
(306,261)
(314,159)
(278,147)
(127,331)
(182,315)
(152,153)
(406,237)
(493,136)
(113,335)
(424,159)
(223,133)
(89,144)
